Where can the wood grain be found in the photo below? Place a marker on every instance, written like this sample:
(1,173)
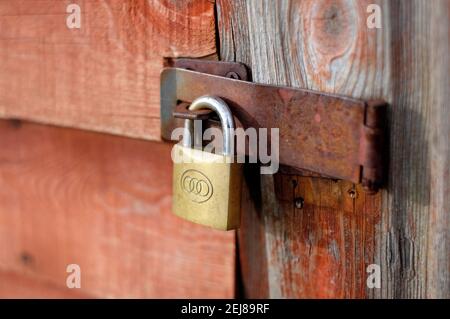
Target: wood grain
(103,76)
(414,239)
(331,238)
(322,251)
(13,285)
(101,202)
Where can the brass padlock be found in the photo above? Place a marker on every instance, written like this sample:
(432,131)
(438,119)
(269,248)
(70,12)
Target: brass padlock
(207,186)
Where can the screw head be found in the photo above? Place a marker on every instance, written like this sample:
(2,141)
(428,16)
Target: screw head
(352,193)
(299,201)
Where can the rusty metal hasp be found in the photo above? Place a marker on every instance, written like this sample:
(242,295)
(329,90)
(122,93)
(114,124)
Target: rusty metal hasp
(329,135)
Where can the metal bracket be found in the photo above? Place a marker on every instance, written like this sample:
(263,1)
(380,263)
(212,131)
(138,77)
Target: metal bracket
(329,135)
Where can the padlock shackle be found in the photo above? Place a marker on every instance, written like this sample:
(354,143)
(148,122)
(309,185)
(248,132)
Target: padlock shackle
(226,119)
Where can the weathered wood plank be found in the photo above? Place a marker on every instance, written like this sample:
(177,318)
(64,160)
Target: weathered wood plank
(414,237)
(103,76)
(327,46)
(104,203)
(322,249)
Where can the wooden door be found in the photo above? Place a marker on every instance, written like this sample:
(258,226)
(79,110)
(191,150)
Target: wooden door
(323,249)
(72,193)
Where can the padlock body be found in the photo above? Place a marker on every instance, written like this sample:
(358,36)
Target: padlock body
(207,188)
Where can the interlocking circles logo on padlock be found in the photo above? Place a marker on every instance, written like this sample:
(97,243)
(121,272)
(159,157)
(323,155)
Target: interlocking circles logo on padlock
(197,186)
